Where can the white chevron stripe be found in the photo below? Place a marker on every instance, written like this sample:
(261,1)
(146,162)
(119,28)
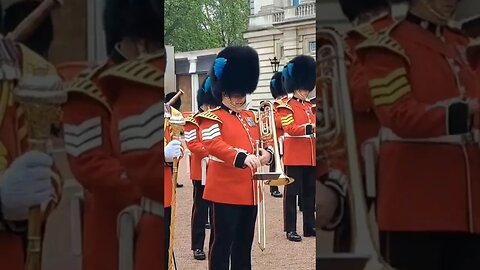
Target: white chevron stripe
(190,133)
(77,151)
(210,136)
(78,140)
(142,143)
(191,137)
(143,130)
(86,125)
(141,119)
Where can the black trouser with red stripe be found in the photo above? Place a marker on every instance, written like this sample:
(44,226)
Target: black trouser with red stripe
(233,228)
(431,250)
(168,218)
(304,176)
(199,215)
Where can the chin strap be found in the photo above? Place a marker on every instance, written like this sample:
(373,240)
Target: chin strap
(447,19)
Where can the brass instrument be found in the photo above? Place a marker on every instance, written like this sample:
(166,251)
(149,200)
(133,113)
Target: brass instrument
(177,124)
(268,133)
(336,115)
(261,177)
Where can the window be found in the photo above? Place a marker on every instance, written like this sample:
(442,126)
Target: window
(312,46)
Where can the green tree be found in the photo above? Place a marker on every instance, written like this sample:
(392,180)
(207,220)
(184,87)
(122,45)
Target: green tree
(203,24)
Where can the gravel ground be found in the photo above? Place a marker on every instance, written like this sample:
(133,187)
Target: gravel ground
(280,253)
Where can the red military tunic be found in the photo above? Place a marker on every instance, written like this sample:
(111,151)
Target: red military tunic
(137,95)
(366,123)
(13,135)
(414,78)
(228,136)
(94,162)
(294,116)
(193,138)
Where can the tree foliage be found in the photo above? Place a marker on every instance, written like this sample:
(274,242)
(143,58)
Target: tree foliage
(203,24)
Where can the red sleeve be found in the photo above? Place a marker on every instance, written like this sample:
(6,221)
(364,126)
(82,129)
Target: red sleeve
(394,103)
(192,139)
(288,124)
(216,146)
(88,146)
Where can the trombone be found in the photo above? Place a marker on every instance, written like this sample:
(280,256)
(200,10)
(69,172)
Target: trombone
(262,178)
(336,117)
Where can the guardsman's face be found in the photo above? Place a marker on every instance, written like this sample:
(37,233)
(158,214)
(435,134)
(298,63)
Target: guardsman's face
(235,102)
(445,8)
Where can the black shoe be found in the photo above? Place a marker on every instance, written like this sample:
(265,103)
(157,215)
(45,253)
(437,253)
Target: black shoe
(198,254)
(309,233)
(294,237)
(276,194)
(207,226)
(179,185)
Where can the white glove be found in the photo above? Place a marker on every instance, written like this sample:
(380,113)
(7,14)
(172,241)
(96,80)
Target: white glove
(26,183)
(172,150)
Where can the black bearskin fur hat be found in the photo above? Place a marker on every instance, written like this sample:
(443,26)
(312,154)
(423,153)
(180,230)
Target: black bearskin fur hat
(299,73)
(137,19)
(205,95)
(235,71)
(354,8)
(276,87)
(177,103)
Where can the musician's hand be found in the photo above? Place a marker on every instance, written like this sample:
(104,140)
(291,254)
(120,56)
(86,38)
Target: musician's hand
(26,183)
(326,204)
(252,162)
(172,150)
(265,156)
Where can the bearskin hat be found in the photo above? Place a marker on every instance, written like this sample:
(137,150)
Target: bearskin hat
(276,87)
(138,19)
(177,103)
(205,95)
(299,73)
(235,71)
(354,8)
(41,39)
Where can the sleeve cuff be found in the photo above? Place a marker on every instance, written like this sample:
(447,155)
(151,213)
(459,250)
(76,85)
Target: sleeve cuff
(309,129)
(240,160)
(272,158)
(458,118)
(337,182)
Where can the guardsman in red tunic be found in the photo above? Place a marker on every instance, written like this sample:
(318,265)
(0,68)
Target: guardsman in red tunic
(140,135)
(93,161)
(26,177)
(368,18)
(298,123)
(135,91)
(279,94)
(229,133)
(172,149)
(193,138)
(425,96)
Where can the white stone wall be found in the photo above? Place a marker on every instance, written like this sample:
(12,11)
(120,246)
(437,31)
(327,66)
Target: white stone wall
(284,32)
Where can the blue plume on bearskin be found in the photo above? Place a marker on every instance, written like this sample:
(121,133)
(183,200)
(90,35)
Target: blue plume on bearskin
(300,74)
